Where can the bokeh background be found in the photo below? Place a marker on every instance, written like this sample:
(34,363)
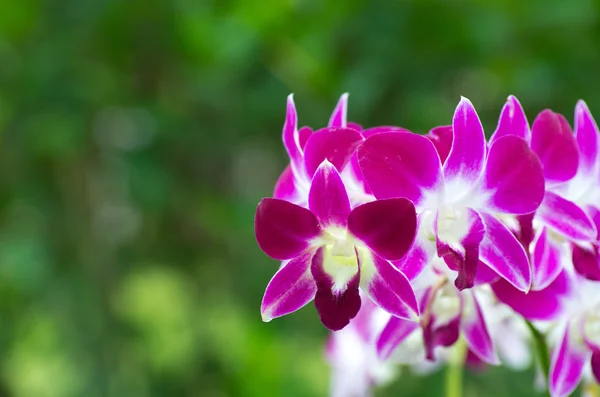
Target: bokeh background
(137,137)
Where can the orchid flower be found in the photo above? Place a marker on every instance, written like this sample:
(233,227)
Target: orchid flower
(331,251)
(446,313)
(307,149)
(571,169)
(457,200)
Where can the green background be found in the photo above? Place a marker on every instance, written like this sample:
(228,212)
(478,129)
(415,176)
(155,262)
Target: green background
(137,138)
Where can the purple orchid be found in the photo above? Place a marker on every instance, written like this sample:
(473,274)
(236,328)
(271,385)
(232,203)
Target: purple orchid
(458,199)
(330,251)
(571,169)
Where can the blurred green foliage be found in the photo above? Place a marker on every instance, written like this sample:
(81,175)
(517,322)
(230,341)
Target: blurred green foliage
(137,138)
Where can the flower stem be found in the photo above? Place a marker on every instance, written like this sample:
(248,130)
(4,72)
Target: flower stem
(541,350)
(454,370)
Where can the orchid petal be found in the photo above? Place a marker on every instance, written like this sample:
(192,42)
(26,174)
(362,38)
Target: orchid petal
(485,275)
(285,188)
(553,141)
(337,299)
(513,180)
(338,117)
(586,133)
(512,121)
(546,264)
(387,286)
(535,305)
(327,198)
(417,258)
(393,334)
(440,335)
(283,230)
(303,134)
(290,289)
(567,218)
(291,138)
(382,128)
(441,137)
(566,367)
(595,363)
(503,253)
(586,261)
(475,330)
(465,162)
(460,250)
(400,164)
(334,144)
(388,227)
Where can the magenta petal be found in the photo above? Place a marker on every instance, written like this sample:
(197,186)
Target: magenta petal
(475,330)
(485,275)
(382,128)
(553,141)
(388,287)
(334,144)
(388,227)
(303,134)
(393,334)
(441,137)
(464,262)
(415,260)
(285,188)
(338,117)
(335,308)
(535,305)
(327,198)
(566,367)
(595,363)
(586,133)
(400,164)
(467,156)
(283,230)
(512,121)
(442,335)
(586,262)
(567,218)
(504,254)
(290,289)
(546,264)
(291,138)
(514,179)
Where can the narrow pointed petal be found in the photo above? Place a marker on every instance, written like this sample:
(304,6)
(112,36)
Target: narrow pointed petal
(465,162)
(388,227)
(567,218)
(338,117)
(546,265)
(586,261)
(475,330)
(459,247)
(441,137)
(290,289)
(504,254)
(535,305)
(595,363)
(514,179)
(586,133)
(553,141)
(566,367)
(284,188)
(393,334)
(387,286)
(291,138)
(283,230)
(334,144)
(400,164)
(512,121)
(337,299)
(327,198)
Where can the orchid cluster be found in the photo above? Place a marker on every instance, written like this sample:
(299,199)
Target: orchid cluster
(424,250)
